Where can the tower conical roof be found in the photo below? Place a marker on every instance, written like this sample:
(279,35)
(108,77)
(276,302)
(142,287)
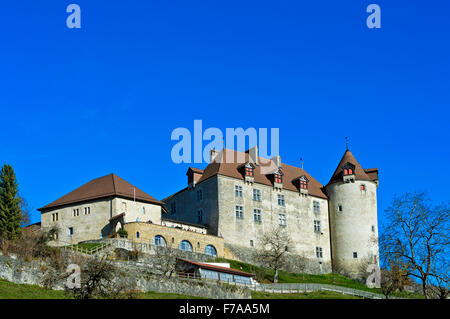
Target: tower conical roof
(348,157)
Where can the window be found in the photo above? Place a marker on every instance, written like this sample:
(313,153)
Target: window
(280,200)
(363,187)
(317,226)
(251,243)
(55,217)
(355,254)
(237,191)
(159,240)
(76,212)
(200,215)
(87,210)
(319,253)
(303,183)
(239,211)
(173,208)
(278,179)
(256,195)
(316,206)
(282,219)
(210,250)
(348,171)
(339,208)
(70,231)
(249,171)
(137,234)
(373,228)
(199,195)
(185,245)
(257,215)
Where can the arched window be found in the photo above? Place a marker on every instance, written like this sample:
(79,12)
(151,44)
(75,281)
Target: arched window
(159,240)
(210,250)
(185,245)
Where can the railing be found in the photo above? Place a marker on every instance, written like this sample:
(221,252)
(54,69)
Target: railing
(77,248)
(302,288)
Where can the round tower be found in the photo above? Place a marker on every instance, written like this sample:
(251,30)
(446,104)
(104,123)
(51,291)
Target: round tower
(352,193)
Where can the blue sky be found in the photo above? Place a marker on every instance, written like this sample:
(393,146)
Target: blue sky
(80,104)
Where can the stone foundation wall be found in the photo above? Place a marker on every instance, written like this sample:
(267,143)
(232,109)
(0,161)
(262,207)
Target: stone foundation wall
(297,264)
(34,273)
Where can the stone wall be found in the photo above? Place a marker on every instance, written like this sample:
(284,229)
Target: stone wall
(300,217)
(296,263)
(34,272)
(174,236)
(354,229)
(187,205)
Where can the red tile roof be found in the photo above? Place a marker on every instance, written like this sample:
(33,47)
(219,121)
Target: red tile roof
(107,186)
(290,173)
(218,268)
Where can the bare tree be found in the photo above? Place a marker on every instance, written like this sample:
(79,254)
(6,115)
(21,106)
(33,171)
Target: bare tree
(274,247)
(166,259)
(441,280)
(416,235)
(97,280)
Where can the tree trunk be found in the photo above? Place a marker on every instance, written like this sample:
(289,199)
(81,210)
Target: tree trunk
(275,276)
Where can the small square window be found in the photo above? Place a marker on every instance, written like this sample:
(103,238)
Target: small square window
(251,243)
(363,187)
(319,253)
(70,231)
(340,208)
(355,254)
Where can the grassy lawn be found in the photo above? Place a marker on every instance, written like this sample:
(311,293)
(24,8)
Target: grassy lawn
(266,276)
(162,295)
(306,295)
(9,290)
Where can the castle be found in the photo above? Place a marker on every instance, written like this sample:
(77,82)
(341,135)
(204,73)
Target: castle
(227,206)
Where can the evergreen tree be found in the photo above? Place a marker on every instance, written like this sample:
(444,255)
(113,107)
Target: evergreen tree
(10,204)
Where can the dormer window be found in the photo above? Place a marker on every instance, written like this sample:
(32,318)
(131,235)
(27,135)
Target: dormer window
(278,179)
(348,172)
(249,171)
(302,184)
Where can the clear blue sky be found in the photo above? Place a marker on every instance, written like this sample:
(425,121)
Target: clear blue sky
(80,104)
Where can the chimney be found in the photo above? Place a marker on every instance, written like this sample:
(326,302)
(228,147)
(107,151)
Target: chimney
(253,155)
(194,176)
(277,160)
